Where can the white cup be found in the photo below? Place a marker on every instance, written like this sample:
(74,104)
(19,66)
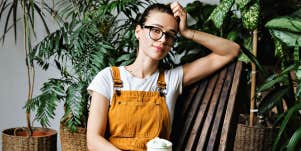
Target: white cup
(158,144)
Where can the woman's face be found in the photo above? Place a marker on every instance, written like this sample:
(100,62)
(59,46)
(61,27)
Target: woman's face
(156,36)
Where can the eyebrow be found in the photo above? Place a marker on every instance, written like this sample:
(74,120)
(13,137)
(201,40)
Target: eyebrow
(172,30)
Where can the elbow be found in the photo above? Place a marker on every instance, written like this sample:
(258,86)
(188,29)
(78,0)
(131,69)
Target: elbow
(236,50)
(90,145)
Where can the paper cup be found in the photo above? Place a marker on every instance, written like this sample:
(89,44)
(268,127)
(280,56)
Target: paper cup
(158,144)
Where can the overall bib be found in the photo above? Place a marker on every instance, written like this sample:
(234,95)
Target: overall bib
(135,117)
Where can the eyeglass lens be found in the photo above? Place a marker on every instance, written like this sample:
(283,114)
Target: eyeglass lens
(156,33)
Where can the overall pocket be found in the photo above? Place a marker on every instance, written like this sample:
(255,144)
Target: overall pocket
(131,117)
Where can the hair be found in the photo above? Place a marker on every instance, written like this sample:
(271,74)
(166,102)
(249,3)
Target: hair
(164,8)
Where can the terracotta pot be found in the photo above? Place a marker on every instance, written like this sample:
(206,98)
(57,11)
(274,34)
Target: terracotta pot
(17,139)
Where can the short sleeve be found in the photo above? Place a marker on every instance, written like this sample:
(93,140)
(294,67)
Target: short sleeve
(174,78)
(102,83)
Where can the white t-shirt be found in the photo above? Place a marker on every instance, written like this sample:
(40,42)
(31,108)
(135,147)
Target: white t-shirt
(103,84)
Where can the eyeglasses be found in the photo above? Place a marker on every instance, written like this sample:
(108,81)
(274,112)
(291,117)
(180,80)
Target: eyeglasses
(156,33)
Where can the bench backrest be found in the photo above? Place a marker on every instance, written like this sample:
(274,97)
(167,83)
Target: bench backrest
(204,112)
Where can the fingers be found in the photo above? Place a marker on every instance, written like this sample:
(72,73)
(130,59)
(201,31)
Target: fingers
(178,10)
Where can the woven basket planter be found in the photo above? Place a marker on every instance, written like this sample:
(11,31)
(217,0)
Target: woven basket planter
(17,139)
(73,141)
(254,138)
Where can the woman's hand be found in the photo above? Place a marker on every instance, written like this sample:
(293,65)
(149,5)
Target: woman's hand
(180,12)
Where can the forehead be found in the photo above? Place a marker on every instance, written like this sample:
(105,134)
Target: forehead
(165,20)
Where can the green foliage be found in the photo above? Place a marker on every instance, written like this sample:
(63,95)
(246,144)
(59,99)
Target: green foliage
(272,99)
(291,24)
(293,111)
(242,4)
(53,92)
(29,10)
(276,79)
(89,42)
(285,32)
(207,16)
(291,146)
(250,16)
(186,48)
(225,14)
(220,12)
(250,11)
(26,12)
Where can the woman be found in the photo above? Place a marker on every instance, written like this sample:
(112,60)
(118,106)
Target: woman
(135,103)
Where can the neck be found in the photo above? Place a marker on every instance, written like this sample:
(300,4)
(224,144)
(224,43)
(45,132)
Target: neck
(143,67)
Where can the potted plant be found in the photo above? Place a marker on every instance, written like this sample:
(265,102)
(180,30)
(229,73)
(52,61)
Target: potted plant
(26,138)
(251,19)
(274,98)
(244,33)
(95,37)
(283,85)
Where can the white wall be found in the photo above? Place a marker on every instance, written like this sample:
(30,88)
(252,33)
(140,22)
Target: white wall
(13,79)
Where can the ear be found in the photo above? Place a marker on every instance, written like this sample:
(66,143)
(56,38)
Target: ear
(137,31)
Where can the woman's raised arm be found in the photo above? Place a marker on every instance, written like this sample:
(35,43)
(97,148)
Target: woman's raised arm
(223,50)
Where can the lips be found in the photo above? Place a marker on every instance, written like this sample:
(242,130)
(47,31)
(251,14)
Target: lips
(158,48)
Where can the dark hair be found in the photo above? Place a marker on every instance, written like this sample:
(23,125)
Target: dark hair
(164,8)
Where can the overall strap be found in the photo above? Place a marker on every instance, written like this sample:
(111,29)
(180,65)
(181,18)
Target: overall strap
(116,77)
(161,83)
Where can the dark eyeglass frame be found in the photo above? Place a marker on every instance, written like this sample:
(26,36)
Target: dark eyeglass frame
(168,36)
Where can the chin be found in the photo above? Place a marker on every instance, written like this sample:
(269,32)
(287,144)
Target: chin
(158,57)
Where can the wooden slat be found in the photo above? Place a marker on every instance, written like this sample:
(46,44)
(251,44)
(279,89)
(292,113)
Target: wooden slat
(187,100)
(182,106)
(214,101)
(230,108)
(184,133)
(179,116)
(200,116)
(204,112)
(216,128)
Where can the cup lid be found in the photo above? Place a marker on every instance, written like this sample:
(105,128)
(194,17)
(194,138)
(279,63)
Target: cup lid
(159,143)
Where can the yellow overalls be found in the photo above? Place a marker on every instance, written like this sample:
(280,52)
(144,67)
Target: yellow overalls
(135,117)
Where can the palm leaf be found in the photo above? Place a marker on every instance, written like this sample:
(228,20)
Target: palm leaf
(74,106)
(285,121)
(7,21)
(291,146)
(254,60)
(30,7)
(39,11)
(45,104)
(272,99)
(15,19)
(276,78)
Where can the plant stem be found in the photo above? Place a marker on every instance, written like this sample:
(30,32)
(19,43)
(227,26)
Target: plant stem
(26,34)
(253,80)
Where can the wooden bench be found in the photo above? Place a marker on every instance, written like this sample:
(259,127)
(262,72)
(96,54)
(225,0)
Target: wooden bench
(205,116)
